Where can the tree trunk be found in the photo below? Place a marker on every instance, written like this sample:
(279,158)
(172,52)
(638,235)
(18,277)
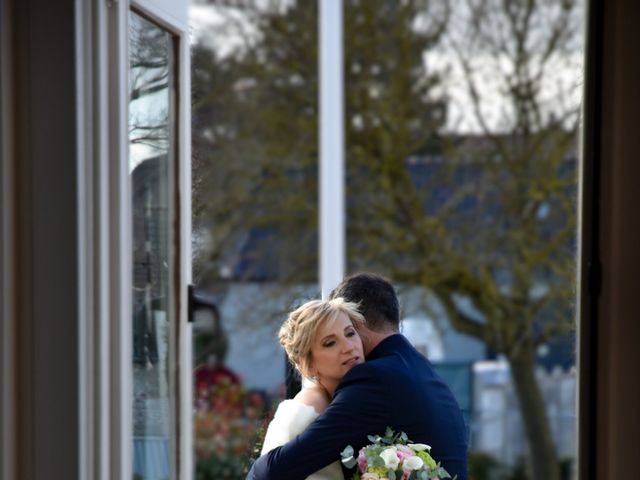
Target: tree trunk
(543,459)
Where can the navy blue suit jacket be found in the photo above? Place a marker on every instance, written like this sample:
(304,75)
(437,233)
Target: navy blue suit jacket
(396,387)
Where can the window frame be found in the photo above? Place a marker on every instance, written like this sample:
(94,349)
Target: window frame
(106,377)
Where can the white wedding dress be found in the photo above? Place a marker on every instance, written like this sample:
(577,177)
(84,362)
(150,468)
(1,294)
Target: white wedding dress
(290,419)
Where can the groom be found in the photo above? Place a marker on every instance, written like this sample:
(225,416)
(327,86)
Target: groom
(396,387)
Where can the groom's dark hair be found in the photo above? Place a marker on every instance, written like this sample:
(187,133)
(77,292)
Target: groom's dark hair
(376,297)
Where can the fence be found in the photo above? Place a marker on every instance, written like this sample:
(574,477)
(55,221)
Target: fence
(496,426)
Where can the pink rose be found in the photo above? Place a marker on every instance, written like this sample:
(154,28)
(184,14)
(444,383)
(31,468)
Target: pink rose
(404,448)
(402,455)
(404,452)
(362,462)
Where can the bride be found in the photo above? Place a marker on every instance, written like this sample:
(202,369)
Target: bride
(322,342)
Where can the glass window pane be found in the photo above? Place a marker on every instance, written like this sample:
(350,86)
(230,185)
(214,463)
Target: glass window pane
(462,121)
(151,166)
(255,197)
(462,128)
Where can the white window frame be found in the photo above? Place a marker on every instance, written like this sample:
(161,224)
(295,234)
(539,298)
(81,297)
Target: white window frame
(332,170)
(173,16)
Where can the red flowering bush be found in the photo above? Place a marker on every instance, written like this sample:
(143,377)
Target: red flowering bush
(229,426)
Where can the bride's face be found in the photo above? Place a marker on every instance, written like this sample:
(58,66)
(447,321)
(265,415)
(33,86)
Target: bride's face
(336,348)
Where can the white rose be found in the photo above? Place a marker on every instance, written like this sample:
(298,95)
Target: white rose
(390,457)
(419,447)
(412,463)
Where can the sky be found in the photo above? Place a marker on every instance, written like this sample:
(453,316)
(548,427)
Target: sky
(560,85)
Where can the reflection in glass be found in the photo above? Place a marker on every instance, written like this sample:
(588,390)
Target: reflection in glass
(150,162)
(462,123)
(255,198)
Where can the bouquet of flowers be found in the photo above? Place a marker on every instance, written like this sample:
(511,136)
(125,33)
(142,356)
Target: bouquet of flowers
(393,457)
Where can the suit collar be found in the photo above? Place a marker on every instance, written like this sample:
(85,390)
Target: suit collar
(388,346)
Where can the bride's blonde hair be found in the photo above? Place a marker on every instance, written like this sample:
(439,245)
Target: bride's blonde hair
(299,329)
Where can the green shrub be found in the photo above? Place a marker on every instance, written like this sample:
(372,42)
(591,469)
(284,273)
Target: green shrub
(482,466)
